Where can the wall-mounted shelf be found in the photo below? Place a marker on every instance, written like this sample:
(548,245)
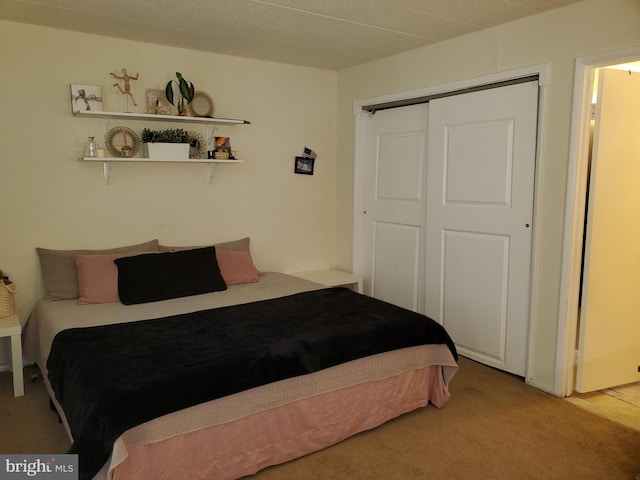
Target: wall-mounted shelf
(161,118)
(106,163)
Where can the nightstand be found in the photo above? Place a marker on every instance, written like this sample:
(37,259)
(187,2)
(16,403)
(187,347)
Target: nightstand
(332,278)
(10,327)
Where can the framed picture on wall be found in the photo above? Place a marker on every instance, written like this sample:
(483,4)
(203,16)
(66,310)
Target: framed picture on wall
(222,142)
(304,165)
(86,97)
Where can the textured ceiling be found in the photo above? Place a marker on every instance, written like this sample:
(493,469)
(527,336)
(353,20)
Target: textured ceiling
(330,34)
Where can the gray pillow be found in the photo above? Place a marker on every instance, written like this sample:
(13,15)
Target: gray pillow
(242,245)
(59,273)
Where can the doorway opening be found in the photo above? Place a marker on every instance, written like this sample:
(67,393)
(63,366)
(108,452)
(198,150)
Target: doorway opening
(570,333)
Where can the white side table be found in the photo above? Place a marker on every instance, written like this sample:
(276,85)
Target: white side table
(332,278)
(10,327)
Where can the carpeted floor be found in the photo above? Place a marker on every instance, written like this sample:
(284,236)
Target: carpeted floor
(27,423)
(495,427)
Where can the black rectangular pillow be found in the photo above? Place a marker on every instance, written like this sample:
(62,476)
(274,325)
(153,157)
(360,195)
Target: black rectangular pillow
(161,276)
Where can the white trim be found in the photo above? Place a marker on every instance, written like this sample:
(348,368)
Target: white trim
(358,191)
(360,131)
(535,244)
(577,173)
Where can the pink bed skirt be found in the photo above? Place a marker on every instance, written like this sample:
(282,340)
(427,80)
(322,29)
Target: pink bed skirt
(246,445)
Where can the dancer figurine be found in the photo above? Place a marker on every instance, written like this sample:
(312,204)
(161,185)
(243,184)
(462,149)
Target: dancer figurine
(127,88)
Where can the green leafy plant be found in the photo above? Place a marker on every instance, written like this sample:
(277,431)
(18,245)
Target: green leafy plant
(186,90)
(170,135)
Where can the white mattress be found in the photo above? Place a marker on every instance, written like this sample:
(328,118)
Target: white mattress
(50,317)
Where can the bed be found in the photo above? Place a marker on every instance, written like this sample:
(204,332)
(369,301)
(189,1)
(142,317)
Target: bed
(152,388)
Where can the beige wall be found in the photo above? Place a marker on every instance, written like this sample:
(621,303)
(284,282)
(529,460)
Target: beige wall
(556,39)
(51,199)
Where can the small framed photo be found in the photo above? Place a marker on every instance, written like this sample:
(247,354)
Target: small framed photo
(304,165)
(86,97)
(222,142)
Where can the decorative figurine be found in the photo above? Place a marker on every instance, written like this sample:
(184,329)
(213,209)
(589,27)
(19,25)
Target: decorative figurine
(127,88)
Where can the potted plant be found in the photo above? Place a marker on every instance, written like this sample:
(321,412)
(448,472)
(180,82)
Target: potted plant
(186,89)
(169,144)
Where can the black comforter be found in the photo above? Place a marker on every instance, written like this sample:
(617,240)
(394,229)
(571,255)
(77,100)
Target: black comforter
(111,378)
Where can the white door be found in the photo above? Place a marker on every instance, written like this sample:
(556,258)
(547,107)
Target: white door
(609,341)
(480,185)
(394,204)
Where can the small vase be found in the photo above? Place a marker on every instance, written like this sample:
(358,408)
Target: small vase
(92,148)
(182,109)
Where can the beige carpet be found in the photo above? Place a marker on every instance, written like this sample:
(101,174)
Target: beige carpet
(27,424)
(495,427)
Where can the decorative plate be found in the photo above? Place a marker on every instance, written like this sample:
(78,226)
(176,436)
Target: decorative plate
(122,142)
(202,105)
(197,145)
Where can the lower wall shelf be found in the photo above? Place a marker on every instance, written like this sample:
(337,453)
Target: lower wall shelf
(106,161)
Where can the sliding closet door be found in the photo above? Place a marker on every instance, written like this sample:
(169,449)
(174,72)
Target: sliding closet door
(480,184)
(394,206)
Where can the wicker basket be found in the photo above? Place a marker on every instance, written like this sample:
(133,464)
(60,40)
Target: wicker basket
(7,299)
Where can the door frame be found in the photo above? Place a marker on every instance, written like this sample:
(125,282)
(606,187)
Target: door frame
(575,208)
(360,130)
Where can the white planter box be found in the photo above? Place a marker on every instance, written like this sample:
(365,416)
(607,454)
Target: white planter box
(166,151)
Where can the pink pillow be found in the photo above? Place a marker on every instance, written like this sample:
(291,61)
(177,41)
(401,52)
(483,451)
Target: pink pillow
(236,266)
(98,277)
